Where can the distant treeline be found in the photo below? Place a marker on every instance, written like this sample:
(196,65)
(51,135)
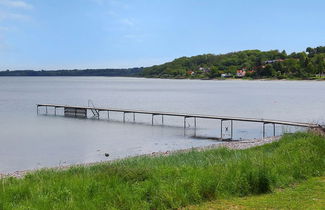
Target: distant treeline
(248,63)
(87,72)
(253,64)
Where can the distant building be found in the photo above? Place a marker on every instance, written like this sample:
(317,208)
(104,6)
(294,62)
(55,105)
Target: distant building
(273,61)
(226,75)
(190,73)
(204,69)
(241,73)
(320,75)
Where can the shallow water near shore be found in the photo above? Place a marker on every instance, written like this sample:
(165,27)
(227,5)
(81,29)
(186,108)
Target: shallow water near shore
(30,141)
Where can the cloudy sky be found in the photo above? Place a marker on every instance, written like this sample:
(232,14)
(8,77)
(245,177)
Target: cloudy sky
(61,34)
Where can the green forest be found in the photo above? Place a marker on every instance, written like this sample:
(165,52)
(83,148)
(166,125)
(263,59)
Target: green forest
(247,64)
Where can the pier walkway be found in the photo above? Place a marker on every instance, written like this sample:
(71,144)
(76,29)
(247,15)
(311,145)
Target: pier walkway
(81,111)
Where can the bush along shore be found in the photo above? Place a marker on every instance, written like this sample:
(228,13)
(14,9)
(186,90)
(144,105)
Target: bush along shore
(174,181)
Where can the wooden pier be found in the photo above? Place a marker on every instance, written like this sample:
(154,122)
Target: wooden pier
(81,112)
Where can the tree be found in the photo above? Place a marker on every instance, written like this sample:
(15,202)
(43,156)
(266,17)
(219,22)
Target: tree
(214,72)
(267,71)
(310,51)
(320,63)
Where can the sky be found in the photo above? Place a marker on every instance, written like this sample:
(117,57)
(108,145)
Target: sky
(80,34)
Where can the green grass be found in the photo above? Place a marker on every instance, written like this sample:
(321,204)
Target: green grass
(309,194)
(170,182)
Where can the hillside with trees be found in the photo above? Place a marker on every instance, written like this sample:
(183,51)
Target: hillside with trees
(254,64)
(249,63)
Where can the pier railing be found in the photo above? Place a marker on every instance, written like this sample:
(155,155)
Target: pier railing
(81,111)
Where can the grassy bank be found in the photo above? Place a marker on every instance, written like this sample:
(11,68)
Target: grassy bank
(309,194)
(170,182)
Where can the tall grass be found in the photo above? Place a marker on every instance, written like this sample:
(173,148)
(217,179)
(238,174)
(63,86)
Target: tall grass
(170,182)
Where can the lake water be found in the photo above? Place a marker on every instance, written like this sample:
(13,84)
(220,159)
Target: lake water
(29,141)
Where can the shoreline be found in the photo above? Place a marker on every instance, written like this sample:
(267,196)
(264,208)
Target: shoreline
(195,79)
(234,145)
(236,79)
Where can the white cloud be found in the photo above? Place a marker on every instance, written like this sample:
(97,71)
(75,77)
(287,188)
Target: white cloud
(11,13)
(4,28)
(12,10)
(12,16)
(128,21)
(100,2)
(16,4)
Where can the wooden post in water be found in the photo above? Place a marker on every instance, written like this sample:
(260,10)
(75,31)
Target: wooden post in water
(107,114)
(133,117)
(273,129)
(232,128)
(263,130)
(194,126)
(123,117)
(221,129)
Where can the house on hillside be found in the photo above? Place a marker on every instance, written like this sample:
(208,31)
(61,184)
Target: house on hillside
(205,70)
(241,73)
(226,75)
(273,61)
(320,75)
(190,73)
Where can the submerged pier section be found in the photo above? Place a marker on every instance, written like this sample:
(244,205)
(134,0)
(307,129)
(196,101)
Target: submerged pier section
(82,112)
(75,112)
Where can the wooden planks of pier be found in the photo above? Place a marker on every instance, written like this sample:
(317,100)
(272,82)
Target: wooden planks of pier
(81,111)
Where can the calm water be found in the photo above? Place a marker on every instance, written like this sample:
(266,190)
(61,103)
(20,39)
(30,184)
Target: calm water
(29,141)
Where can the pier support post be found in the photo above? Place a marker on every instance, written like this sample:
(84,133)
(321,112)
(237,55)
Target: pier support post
(46,110)
(232,128)
(55,110)
(263,130)
(194,126)
(152,119)
(221,130)
(184,122)
(133,117)
(162,119)
(107,114)
(273,129)
(123,117)
(227,130)
(37,110)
